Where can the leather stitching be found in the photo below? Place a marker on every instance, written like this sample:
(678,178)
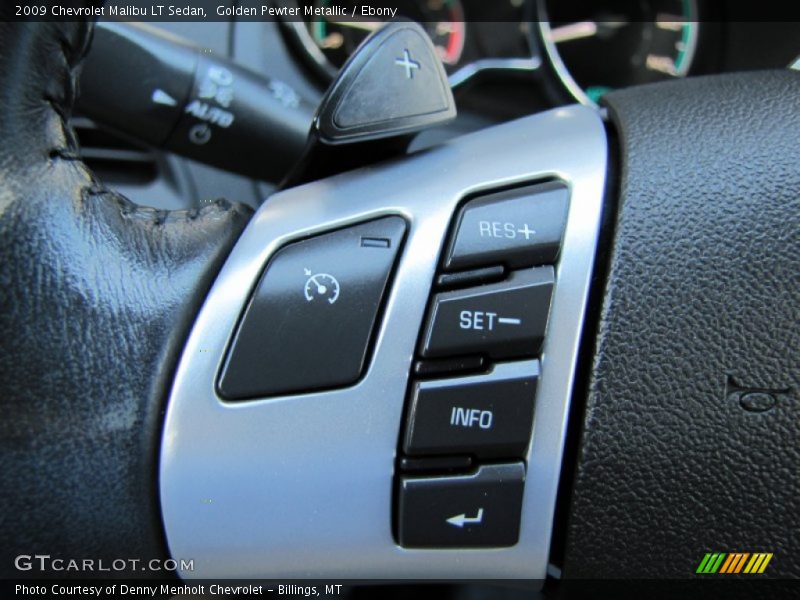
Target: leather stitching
(73,53)
(98,311)
(158,217)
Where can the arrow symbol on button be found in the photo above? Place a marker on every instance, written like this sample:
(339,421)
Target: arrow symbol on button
(463,519)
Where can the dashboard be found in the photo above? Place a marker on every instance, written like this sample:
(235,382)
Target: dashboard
(504,60)
(638,42)
(567,51)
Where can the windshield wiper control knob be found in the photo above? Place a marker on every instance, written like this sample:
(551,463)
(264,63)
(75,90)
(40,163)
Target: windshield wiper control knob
(168,93)
(392,86)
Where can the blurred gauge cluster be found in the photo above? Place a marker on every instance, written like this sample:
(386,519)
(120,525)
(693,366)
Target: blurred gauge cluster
(471,36)
(565,50)
(594,47)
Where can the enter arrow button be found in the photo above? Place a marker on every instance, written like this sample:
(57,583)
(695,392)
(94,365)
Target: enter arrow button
(471,510)
(463,519)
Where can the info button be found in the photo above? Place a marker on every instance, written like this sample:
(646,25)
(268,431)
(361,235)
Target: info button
(522,227)
(489,416)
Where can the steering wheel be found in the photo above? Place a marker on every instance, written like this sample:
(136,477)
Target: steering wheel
(666,419)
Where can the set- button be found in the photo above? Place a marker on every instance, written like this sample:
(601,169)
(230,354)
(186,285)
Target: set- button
(503,320)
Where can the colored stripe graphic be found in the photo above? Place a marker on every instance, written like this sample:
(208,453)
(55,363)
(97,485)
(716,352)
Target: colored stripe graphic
(764,564)
(711,562)
(758,563)
(754,563)
(733,563)
(702,566)
(716,565)
(741,562)
(732,559)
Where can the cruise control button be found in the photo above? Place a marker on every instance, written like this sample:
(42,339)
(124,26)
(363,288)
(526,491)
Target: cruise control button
(466,511)
(488,415)
(503,320)
(522,227)
(309,323)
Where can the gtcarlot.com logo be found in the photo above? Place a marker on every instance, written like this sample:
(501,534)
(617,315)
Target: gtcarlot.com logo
(732,563)
(45,562)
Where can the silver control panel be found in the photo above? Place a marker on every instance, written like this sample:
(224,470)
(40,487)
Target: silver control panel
(300,485)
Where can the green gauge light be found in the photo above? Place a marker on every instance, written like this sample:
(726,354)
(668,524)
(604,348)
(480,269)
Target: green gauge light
(595,47)
(595,92)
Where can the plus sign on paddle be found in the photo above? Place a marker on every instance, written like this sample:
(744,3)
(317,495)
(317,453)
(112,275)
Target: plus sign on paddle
(407,63)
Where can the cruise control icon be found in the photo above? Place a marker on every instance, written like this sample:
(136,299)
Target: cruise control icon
(321,285)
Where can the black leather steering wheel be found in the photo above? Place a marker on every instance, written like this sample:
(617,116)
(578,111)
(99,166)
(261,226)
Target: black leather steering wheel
(685,416)
(98,297)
